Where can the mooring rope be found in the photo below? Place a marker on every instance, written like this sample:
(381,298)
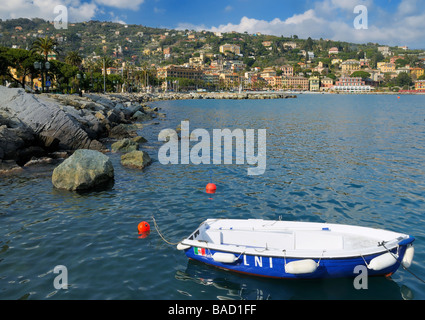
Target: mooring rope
(401,263)
(160,234)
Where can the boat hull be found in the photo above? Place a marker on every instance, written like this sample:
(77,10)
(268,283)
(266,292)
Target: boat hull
(277,267)
(297,250)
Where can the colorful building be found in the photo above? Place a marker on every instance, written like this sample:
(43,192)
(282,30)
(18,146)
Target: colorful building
(416,72)
(385,67)
(326,83)
(287,70)
(420,85)
(230,47)
(295,83)
(349,66)
(333,50)
(173,71)
(351,84)
(314,83)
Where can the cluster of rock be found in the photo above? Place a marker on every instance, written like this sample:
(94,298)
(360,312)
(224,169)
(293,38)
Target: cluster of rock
(145,97)
(48,128)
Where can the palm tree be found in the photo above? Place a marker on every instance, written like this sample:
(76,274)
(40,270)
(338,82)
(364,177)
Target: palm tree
(103,64)
(73,58)
(106,62)
(44,46)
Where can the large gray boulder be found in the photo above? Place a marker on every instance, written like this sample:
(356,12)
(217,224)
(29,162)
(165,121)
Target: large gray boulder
(84,170)
(45,118)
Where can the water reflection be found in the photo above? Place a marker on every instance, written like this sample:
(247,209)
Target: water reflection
(232,285)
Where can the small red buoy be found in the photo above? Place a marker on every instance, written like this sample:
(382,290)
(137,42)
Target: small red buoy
(398,97)
(211,188)
(144,227)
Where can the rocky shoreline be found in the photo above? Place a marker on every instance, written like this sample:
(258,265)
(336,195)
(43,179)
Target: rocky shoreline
(48,128)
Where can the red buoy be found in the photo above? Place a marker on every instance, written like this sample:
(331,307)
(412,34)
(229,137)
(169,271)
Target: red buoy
(211,188)
(144,227)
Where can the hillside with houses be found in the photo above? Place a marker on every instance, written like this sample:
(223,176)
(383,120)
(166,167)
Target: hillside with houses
(106,56)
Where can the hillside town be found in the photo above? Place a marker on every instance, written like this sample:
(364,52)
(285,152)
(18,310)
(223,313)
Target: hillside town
(124,59)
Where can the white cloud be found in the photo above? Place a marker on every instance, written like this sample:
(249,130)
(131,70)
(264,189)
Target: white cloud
(407,7)
(77,10)
(85,12)
(228,9)
(300,18)
(158,10)
(117,19)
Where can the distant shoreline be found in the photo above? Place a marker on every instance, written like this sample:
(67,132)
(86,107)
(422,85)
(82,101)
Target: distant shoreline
(146,97)
(248,95)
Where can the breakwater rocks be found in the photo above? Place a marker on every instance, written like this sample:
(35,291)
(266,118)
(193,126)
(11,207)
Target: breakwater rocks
(47,128)
(146,97)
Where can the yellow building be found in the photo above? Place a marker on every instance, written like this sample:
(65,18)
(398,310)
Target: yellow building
(420,85)
(268,72)
(314,83)
(173,71)
(416,72)
(296,83)
(385,67)
(230,47)
(350,66)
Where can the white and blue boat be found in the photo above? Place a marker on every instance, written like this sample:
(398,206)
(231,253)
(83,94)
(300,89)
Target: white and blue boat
(297,250)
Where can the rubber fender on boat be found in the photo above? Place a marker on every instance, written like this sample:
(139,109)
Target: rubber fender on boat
(301,266)
(224,257)
(181,246)
(383,261)
(408,257)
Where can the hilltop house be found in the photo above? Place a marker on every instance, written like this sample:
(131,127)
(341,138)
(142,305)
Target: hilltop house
(333,50)
(231,48)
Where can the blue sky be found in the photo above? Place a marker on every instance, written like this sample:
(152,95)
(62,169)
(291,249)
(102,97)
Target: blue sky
(392,22)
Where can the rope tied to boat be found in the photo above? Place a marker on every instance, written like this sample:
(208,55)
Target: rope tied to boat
(317,263)
(401,263)
(160,234)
